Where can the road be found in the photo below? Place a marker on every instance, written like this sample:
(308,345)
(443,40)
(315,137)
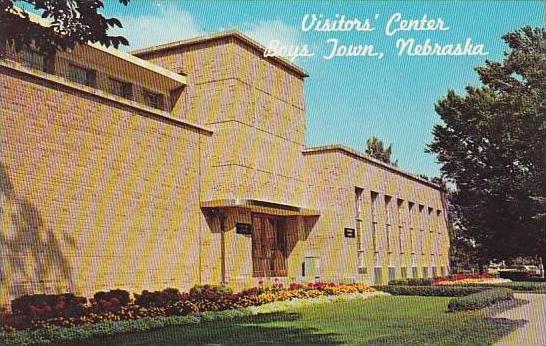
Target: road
(532,333)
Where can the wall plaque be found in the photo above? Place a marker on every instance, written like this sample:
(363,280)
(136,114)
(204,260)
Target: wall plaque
(350,233)
(243,228)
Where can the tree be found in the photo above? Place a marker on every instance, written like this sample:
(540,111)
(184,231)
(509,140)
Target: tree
(491,147)
(376,149)
(72,22)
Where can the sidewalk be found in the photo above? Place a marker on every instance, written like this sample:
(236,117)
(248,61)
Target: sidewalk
(534,331)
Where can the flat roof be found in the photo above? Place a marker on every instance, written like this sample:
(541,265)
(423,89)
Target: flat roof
(260,206)
(118,53)
(358,154)
(218,36)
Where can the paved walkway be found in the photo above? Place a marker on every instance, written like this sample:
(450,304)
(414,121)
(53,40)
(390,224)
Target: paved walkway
(533,333)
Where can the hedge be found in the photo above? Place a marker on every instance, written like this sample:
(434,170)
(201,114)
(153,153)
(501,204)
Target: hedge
(480,300)
(440,291)
(537,287)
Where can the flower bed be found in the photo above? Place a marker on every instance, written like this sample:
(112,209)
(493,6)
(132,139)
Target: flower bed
(77,333)
(460,279)
(36,311)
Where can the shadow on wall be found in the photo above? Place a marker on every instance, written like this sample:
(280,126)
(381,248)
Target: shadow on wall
(31,254)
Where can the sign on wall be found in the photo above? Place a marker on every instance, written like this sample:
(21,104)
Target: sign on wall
(243,228)
(350,233)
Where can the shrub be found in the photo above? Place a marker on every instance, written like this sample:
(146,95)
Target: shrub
(520,275)
(212,292)
(158,298)
(516,286)
(42,306)
(480,300)
(121,295)
(412,282)
(440,291)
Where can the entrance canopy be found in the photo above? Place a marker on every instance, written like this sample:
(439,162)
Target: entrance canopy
(259,206)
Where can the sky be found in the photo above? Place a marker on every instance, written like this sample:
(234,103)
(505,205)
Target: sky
(350,99)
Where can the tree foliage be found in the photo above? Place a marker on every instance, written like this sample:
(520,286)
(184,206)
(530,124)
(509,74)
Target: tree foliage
(491,146)
(72,22)
(376,149)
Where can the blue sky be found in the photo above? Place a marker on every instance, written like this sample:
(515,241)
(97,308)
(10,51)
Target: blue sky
(351,98)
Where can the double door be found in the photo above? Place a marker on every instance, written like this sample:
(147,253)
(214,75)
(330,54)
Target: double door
(268,246)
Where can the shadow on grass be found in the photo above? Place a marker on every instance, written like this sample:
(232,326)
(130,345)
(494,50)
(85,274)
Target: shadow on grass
(260,329)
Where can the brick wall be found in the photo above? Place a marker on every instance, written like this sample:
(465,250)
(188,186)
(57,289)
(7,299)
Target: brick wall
(94,194)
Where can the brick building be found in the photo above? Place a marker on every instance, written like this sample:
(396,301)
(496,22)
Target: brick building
(186,163)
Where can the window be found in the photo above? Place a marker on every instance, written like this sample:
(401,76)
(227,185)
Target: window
(392,273)
(33,59)
(121,88)
(414,272)
(362,270)
(443,271)
(374,196)
(82,75)
(404,272)
(422,228)
(358,219)
(388,221)
(434,272)
(400,217)
(411,217)
(378,275)
(153,100)
(425,272)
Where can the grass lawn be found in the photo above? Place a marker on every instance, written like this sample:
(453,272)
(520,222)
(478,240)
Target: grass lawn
(388,320)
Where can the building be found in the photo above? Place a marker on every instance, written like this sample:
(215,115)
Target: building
(186,163)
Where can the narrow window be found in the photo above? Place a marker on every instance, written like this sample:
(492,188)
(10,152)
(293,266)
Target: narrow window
(154,100)
(422,229)
(392,273)
(431,224)
(425,272)
(374,196)
(411,218)
(400,216)
(82,75)
(121,88)
(404,272)
(440,235)
(388,221)
(359,235)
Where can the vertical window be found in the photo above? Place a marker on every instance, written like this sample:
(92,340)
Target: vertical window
(374,196)
(425,272)
(431,224)
(378,275)
(154,100)
(82,75)
(359,235)
(443,271)
(392,273)
(120,88)
(414,272)
(388,221)
(411,218)
(400,217)
(440,235)
(422,229)
(404,272)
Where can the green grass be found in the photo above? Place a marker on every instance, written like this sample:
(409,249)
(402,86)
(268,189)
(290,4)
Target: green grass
(388,320)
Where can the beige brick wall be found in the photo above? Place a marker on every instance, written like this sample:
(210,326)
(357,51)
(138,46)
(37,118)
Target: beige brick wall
(94,194)
(332,178)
